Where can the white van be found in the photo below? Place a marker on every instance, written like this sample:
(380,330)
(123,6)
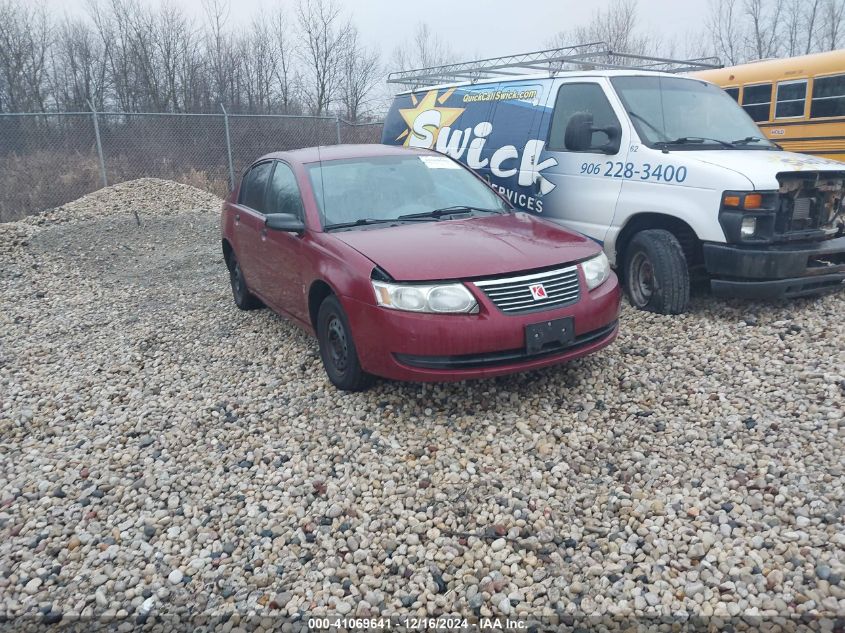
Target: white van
(666,171)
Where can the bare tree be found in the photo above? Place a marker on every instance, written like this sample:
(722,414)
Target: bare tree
(25,38)
(324,32)
(219,49)
(360,74)
(764,17)
(287,80)
(78,67)
(614,28)
(833,11)
(423,50)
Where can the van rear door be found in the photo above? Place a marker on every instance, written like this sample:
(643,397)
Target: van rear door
(588,179)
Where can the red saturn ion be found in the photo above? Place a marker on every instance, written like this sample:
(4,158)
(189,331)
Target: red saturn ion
(407,265)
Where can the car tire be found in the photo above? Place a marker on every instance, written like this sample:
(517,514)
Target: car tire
(337,349)
(244,299)
(656,273)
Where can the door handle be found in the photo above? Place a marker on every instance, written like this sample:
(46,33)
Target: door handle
(263,234)
(237,218)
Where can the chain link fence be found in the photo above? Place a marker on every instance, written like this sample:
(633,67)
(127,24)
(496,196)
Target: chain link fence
(47,160)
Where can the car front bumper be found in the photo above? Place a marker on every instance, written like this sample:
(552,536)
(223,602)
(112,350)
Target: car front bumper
(776,271)
(431,347)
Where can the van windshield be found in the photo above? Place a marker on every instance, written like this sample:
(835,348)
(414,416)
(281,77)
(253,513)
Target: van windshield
(687,114)
(387,189)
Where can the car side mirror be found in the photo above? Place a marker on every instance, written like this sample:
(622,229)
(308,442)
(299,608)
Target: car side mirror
(284,222)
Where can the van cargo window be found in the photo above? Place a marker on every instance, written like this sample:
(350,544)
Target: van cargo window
(828,97)
(575,98)
(791,98)
(756,101)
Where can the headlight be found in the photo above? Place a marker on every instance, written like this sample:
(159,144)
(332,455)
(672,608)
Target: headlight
(596,270)
(748,226)
(438,298)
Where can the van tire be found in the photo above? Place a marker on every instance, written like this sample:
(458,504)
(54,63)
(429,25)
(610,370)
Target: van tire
(656,272)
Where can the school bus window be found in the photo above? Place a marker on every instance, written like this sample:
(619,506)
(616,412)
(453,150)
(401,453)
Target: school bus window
(828,97)
(734,93)
(790,99)
(756,101)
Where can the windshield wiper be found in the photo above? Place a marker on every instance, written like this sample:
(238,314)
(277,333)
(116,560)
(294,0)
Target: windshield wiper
(439,213)
(639,117)
(748,139)
(689,140)
(358,222)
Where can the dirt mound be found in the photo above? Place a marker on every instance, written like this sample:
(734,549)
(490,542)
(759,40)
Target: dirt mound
(145,196)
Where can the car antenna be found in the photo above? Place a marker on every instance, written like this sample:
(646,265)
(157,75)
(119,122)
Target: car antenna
(322,183)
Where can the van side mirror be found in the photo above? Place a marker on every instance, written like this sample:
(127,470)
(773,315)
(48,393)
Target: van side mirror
(578,136)
(284,222)
(579,132)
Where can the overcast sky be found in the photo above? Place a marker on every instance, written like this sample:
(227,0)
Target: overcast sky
(488,29)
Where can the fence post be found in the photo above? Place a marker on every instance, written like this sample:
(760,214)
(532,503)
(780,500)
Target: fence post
(228,148)
(99,144)
(337,125)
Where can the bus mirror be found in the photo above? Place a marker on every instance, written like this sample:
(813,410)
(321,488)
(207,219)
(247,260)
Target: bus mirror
(579,132)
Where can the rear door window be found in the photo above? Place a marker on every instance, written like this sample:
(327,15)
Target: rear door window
(581,97)
(254,185)
(828,97)
(790,99)
(757,101)
(283,194)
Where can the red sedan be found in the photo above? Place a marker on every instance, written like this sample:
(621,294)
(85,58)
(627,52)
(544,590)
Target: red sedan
(407,265)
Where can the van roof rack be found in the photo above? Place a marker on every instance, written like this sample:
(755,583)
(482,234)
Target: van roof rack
(591,56)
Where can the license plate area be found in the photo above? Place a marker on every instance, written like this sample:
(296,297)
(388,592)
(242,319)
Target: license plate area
(549,334)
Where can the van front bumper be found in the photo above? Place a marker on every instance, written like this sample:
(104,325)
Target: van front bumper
(777,270)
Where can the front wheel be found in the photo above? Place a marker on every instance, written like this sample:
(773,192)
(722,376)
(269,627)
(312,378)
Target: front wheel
(656,273)
(337,349)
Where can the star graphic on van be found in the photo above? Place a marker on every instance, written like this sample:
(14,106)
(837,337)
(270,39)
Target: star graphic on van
(426,119)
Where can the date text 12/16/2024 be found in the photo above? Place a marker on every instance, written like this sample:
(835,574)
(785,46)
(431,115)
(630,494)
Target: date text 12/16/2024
(411,623)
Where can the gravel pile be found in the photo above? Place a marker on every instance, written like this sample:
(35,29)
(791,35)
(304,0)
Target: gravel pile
(165,454)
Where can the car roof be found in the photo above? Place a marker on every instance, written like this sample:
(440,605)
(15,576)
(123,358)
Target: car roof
(340,152)
(515,78)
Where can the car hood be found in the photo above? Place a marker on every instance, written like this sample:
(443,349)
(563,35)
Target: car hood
(467,248)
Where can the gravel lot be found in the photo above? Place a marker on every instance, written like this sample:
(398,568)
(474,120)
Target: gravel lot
(164,453)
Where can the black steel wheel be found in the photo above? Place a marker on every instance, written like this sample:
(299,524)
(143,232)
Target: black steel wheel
(337,349)
(656,273)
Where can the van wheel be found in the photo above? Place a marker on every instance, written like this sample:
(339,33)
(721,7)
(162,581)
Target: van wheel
(337,349)
(244,299)
(656,273)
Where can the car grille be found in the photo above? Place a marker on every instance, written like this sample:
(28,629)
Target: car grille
(513,294)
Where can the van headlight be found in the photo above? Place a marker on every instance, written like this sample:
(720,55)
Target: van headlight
(435,298)
(596,270)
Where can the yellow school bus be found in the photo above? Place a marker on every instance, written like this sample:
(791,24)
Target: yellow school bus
(797,102)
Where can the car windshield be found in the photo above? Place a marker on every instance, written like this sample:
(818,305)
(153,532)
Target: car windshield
(687,114)
(391,188)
